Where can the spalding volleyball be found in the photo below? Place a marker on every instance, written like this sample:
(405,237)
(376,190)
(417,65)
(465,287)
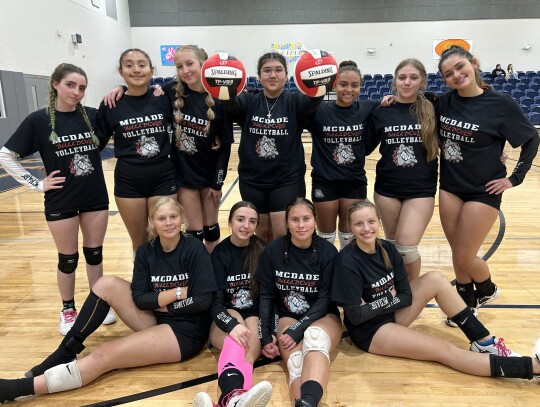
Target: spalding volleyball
(223,76)
(315,72)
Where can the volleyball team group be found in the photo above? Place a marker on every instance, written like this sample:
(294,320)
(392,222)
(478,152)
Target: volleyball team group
(274,285)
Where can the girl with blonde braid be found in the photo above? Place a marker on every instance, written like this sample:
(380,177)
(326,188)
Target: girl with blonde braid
(75,192)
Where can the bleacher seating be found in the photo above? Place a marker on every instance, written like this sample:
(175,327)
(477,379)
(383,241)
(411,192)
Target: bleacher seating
(535,119)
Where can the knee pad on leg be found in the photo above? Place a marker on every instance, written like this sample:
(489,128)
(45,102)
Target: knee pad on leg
(408,253)
(329,237)
(212,233)
(344,239)
(67,263)
(316,340)
(63,377)
(93,255)
(294,366)
(199,234)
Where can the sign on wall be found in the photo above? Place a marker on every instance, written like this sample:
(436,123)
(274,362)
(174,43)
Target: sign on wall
(290,50)
(439,46)
(167,54)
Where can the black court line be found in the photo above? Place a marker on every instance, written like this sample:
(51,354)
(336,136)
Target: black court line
(229,190)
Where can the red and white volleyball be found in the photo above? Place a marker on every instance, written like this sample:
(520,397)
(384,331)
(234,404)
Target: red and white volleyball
(315,72)
(223,76)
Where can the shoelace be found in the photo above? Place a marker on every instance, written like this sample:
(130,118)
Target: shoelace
(69,316)
(228,397)
(502,349)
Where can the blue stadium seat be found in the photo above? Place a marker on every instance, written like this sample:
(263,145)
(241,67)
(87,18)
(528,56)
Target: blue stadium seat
(168,79)
(530,74)
(487,79)
(375,96)
(537,99)
(499,80)
(377,76)
(520,74)
(522,87)
(525,109)
(158,80)
(534,108)
(531,93)
(293,87)
(384,90)
(525,101)
(367,77)
(524,81)
(534,86)
(363,96)
(388,77)
(513,81)
(508,87)
(496,86)
(433,88)
(517,94)
(535,118)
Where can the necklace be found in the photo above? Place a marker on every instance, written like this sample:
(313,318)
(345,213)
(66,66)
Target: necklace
(269,115)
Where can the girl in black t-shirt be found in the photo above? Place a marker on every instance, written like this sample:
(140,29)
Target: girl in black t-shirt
(64,134)
(272,165)
(294,275)
(406,174)
(235,312)
(141,125)
(475,122)
(167,305)
(379,305)
(338,157)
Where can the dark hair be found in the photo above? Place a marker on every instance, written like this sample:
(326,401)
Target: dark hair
(127,51)
(462,52)
(269,56)
(58,74)
(422,109)
(345,66)
(366,203)
(254,249)
(287,238)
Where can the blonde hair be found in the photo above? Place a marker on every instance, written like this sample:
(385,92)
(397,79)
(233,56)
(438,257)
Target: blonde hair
(423,110)
(202,56)
(59,73)
(164,200)
(366,203)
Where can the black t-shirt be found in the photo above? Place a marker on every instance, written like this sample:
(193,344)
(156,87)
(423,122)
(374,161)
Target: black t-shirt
(74,154)
(473,132)
(271,153)
(141,126)
(363,276)
(402,168)
(188,265)
(296,286)
(338,141)
(194,160)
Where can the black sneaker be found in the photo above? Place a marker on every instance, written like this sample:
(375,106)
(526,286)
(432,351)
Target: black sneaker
(488,298)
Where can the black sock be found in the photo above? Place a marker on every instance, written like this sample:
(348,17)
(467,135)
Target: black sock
(466,292)
(11,389)
(312,392)
(69,304)
(502,366)
(229,380)
(470,325)
(485,288)
(93,312)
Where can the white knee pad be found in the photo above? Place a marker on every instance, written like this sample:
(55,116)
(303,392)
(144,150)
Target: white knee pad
(294,366)
(316,340)
(329,237)
(344,239)
(63,377)
(408,253)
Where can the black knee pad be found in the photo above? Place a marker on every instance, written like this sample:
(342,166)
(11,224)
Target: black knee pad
(517,367)
(212,233)
(470,325)
(67,263)
(93,255)
(199,234)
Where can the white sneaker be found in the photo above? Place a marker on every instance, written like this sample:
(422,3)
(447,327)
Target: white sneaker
(110,318)
(451,323)
(258,396)
(202,399)
(488,298)
(497,348)
(67,319)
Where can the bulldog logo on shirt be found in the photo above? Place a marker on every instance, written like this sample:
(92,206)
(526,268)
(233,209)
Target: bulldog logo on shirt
(186,144)
(343,154)
(147,146)
(241,299)
(404,156)
(452,152)
(266,147)
(296,302)
(81,165)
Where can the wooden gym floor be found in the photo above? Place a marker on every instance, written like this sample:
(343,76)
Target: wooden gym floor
(29,306)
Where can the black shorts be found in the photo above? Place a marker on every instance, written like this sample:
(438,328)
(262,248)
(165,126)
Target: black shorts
(247,313)
(362,335)
(325,191)
(274,199)
(52,216)
(144,181)
(190,345)
(488,199)
(402,196)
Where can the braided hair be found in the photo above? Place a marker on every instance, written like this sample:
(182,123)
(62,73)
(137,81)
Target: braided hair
(202,56)
(287,237)
(59,73)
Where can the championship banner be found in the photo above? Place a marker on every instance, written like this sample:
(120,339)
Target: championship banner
(290,50)
(439,46)
(167,54)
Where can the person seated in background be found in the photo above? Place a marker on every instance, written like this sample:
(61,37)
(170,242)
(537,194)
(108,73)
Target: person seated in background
(498,71)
